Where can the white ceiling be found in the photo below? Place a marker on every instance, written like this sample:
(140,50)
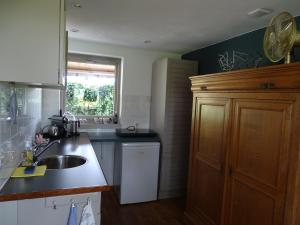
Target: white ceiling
(172,25)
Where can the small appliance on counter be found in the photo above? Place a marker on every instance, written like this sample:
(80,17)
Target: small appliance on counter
(72,124)
(57,128)
(65,125)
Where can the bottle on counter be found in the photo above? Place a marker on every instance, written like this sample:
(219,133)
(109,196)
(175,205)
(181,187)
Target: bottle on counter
(115,118)
(27,155)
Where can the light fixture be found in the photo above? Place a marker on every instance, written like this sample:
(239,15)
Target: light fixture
(147,41)
(256,13)
(77,5)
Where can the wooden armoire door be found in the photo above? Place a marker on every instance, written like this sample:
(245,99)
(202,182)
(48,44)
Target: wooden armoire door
(258,162)
(207,160)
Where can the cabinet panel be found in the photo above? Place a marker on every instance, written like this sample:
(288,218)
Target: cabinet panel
(250,207)
(210,134)
(30,40)
(105,152)
(55,210)
(208,151)
(8,212)
(259,161)
(108,151)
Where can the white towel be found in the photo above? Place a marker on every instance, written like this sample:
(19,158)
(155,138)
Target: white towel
(87,217)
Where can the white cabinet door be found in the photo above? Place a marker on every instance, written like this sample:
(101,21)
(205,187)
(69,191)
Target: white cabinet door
(105,154)
(97,146)
(108,151)
(55,210)
(8,213)
(30,40)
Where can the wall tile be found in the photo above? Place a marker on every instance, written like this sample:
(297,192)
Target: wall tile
(14,134)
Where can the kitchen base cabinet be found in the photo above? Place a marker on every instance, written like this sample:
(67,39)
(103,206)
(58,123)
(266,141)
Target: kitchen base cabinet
(48,211)
(244,154)
(8,212)
(105,152)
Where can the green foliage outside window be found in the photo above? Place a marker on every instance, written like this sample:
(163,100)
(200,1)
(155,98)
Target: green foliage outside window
(85,101)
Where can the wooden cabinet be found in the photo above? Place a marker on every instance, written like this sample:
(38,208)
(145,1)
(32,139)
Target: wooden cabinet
(244,167)
(32,41)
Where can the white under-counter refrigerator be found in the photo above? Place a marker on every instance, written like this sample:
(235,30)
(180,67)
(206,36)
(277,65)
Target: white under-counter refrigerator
(136,171)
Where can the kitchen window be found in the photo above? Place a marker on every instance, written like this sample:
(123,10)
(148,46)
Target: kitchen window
(93,88)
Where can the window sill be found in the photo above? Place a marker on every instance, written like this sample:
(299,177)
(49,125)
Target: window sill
(98,127)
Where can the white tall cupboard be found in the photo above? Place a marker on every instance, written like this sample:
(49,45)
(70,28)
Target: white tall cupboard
(171,105)
(32,41)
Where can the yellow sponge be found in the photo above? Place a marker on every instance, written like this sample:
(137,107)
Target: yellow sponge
(19,172)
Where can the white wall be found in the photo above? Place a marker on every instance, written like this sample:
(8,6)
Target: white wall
(136,77)
(50,105)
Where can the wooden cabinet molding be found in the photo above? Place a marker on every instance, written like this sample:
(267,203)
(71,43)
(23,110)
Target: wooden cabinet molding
(271,77)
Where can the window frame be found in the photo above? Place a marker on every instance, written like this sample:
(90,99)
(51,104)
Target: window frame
(105,60)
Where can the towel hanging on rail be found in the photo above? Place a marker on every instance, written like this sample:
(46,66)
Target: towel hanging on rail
(87,217)
(72,215)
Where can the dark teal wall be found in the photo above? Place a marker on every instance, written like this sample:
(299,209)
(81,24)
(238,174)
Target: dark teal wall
(250,43)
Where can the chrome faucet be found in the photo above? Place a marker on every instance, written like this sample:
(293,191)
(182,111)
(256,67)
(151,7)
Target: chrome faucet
(41,148)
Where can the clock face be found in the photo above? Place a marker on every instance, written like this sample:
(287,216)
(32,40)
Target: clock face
(280,36)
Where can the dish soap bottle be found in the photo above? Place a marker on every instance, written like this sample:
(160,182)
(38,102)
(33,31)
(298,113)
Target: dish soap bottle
(27,155)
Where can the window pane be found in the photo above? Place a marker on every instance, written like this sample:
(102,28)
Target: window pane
(90,89)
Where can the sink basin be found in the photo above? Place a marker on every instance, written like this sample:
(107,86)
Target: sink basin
(62,161)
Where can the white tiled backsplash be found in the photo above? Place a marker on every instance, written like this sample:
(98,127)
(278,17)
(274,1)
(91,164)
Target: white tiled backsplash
(135,109)
(13,134)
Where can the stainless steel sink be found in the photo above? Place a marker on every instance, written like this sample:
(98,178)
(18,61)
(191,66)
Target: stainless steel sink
(62,161)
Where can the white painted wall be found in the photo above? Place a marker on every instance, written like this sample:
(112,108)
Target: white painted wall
(136,77)
(50,105)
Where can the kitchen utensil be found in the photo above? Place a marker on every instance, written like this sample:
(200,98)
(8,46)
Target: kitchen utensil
(53,130)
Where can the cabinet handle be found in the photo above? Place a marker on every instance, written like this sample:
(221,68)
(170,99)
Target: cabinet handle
(267,85)
(58,76)
(54,205)
(203,88)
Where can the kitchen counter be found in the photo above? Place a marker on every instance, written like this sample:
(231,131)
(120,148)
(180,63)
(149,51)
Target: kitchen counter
(112,137)
(82,179)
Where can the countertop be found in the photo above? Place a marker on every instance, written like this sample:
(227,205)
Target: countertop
(83,179)
(112,137)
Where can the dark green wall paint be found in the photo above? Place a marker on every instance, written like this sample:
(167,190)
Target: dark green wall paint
(250,43)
